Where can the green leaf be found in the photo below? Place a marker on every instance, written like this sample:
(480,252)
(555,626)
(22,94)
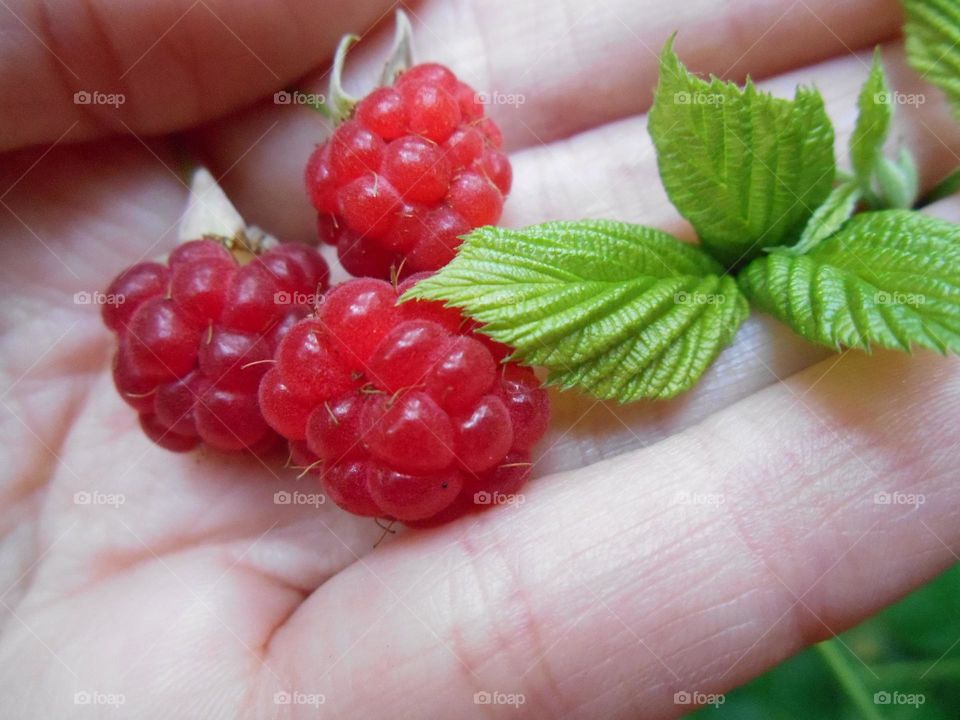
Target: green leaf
(621,310)
(933,44)
(828,219)
(885,183)
(898,181)
(873,123)
(745,168)
(889,278)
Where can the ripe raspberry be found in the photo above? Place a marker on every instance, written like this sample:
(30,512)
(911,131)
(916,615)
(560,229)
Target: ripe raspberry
(196,336)
(404,407)
(415,167)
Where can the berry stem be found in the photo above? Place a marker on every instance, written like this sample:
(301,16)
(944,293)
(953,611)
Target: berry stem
(401,54)
(341,102)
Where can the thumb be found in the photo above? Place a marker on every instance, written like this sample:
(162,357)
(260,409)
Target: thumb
(77,69)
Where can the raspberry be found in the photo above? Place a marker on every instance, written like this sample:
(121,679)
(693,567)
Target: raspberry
(415,167)
(403,408)
(196,337)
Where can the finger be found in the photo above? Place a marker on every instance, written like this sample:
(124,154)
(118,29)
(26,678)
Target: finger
(609,171)
(680,567)
(584,431)
(600,173)
(554,69)
(88,68)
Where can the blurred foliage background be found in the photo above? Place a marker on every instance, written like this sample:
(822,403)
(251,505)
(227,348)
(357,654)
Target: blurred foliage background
(911,648)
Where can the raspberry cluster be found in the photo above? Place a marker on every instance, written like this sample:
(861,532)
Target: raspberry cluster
(404,409)
(197,334)
(417,166)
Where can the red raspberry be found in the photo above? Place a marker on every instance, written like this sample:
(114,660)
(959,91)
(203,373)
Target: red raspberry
(417,166)
(196,336)
(404,407)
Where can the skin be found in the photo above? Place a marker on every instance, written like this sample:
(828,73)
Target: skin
(679,546)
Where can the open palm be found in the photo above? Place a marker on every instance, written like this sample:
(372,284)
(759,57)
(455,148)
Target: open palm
(681,547)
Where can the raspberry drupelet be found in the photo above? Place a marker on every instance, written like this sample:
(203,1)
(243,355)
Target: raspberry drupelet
(416,166)
(402,409)
(196,335)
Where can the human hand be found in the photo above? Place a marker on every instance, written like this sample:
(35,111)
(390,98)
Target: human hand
(662,549)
